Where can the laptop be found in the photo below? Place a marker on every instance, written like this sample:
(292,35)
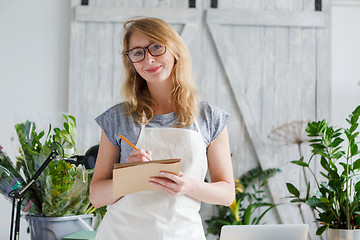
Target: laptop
(264,232)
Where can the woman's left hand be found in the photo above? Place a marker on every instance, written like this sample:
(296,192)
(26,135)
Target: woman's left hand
(172,183)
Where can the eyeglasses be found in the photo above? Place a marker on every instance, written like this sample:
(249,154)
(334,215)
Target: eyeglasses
(138,54)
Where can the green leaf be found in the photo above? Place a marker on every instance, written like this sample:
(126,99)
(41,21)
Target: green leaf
(323,125)
(321,229)
(324,200)
(337,134)
(66,126)
(66,118)
(324,175)
(307,191)
(342,197)
(41,134)
(356,164)
(338,155)
(354,117)
(271,206)
(63,134)
(300,163)
(247,214)
(353,149)
(327,186)
(324,163)
(317,145)
(357,187)
(351,137)
(353,127)
(73,119)
(357,220)
(314,202)
(355,134)
(335,150)
(292,189)
(336,142)
(348,121)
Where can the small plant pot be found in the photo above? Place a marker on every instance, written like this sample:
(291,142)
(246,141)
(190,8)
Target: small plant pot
(55,228)
(344,234)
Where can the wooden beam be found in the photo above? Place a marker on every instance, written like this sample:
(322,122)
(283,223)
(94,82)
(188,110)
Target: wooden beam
(278,18)
(117,14)
(232,71)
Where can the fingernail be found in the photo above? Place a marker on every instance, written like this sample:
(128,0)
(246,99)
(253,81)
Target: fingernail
(162,173)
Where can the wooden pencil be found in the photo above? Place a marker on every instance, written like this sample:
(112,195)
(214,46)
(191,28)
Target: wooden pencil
(128,142)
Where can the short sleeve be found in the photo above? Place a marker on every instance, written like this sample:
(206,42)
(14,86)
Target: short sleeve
(219,120)
(213,121)
(109,123)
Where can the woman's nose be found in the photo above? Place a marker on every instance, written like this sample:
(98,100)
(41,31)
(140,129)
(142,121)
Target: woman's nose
(148,57)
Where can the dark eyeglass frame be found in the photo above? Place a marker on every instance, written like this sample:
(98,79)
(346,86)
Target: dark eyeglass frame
(144,49)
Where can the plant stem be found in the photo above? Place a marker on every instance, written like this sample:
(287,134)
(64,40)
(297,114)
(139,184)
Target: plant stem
(91,209)
(353,209)
(306,181)
(336,216)
(347,190)
(315,178)
(303,169)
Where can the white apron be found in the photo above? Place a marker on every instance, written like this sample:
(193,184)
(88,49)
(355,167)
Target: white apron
(155,214)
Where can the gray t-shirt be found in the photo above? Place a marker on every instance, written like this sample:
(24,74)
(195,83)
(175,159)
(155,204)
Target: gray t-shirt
(211,121)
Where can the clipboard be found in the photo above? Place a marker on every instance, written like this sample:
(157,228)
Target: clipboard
(134,177)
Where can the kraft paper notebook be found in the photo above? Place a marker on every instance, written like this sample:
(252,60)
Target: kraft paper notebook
(134,177)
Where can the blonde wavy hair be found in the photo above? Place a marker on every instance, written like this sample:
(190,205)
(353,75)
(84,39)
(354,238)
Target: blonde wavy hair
(184,93)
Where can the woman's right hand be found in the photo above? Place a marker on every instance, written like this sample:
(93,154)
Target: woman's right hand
(139,155)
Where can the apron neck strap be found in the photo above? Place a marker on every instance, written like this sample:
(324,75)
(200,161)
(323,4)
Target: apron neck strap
(143,120)
(197,126)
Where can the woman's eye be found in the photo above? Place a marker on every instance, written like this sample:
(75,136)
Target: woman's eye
(156,47)
(137,53)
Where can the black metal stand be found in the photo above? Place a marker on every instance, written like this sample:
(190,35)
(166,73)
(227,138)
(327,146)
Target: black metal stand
(17,197)
(88,160)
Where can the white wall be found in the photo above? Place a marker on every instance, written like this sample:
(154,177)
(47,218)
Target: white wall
(34,45)
(34,66)
(345,59)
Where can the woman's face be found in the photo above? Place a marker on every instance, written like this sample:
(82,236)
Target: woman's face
(152,69)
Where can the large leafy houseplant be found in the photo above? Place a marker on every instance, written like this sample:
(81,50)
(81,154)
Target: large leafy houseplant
(62,189)
(337,196)
(250,204)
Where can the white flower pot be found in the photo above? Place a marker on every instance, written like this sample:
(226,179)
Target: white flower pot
(344,234)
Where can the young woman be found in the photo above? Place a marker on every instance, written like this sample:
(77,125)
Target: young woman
(163,117)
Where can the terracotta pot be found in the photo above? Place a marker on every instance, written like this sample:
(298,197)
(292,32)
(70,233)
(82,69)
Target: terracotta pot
(344,234)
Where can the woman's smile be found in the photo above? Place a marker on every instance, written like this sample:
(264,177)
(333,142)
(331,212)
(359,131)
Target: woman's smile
(153,69)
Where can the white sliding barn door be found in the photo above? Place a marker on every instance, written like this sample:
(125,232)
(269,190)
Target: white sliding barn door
(275,58)
(267,62)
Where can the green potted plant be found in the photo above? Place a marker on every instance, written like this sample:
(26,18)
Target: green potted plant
(62,189)
(250,204)
(336,199)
